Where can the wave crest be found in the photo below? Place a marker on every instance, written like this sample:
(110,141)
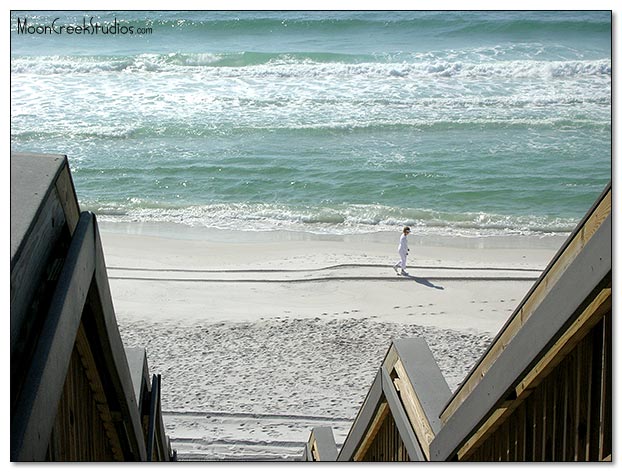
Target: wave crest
(304,65)
(342,219)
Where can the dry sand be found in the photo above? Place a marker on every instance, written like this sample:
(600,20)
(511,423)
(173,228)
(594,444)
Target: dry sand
(261,336)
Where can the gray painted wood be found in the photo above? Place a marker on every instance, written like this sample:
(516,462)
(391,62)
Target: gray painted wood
(28,267)
(153,417)
(425,376)
(32,180)
(139,370)
(325,443)
(37,220)
(559,308)
(306,454)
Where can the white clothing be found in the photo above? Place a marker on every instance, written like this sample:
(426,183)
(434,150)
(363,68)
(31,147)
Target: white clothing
(402,249)
(402,262)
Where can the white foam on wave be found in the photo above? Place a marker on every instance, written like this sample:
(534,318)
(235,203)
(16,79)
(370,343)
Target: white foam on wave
(344,219)
(287,66)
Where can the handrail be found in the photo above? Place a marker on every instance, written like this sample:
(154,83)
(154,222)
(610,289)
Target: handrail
(34,414)
(410,386)
(555,312)
(573,244)
(33,417)
(321,445)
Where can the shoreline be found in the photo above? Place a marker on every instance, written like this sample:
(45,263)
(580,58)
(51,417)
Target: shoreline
(177,230)
(154,231)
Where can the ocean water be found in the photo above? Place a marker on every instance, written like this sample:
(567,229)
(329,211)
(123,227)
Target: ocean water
(455,122)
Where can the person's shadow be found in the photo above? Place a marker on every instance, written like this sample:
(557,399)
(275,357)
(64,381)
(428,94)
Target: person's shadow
(422,281)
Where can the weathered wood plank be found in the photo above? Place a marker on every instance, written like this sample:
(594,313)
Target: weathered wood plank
(592,314)
(567,342)
(595,387)
(114,354)
(362,420)
(421,371)
(67,197)
(98,392)
(414,410)
(606,410)
(401,418)
(29,266)
(372,431)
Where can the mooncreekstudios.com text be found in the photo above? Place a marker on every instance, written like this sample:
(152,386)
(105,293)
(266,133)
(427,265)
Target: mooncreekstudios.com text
(86,28)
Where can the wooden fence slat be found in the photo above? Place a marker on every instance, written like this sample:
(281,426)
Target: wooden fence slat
(605,449)
(596,399)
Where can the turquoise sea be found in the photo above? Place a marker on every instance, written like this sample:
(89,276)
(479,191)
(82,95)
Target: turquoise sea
(461,122)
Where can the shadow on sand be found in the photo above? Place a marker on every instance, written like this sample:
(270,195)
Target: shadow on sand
(422,281)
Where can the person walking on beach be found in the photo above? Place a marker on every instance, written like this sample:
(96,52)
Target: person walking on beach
(402,249)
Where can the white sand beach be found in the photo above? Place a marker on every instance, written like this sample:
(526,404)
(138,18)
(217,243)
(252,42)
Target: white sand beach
(260,336)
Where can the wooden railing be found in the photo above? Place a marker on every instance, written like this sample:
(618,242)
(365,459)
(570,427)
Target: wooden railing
(321,446)
(72,391)
(541,392)
(399,416)
(158,447)
(82,278)
(570,297)
(81,309)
